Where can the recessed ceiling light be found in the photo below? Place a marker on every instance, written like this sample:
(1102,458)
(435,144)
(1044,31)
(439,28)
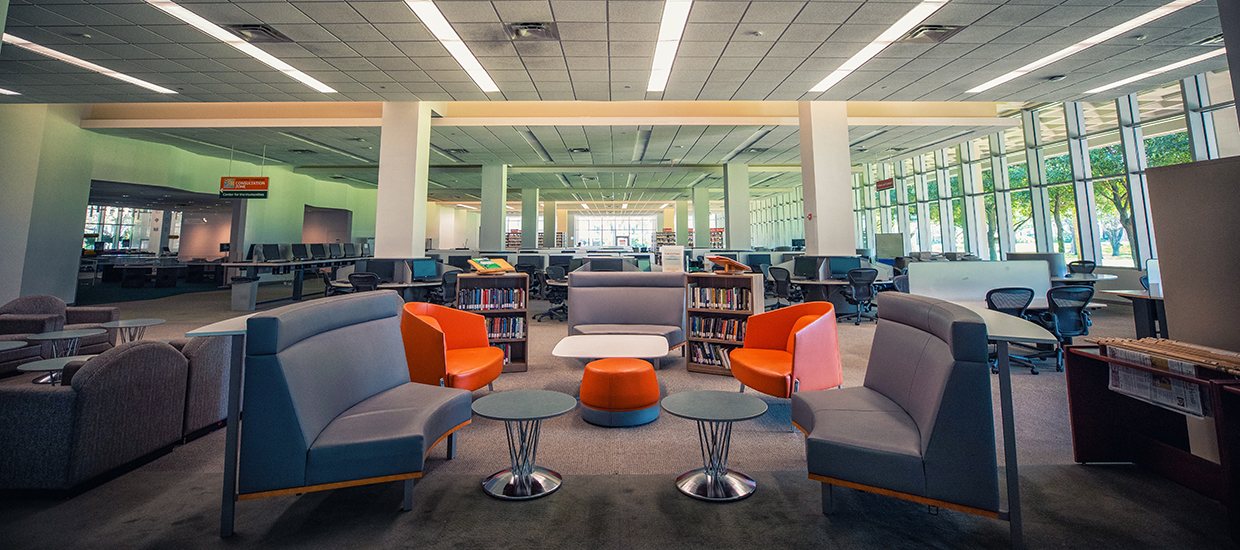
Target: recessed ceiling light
(8,92)
(466,206)
(583,205)
(430,16)
(665,205)
(219,33)
(893,33)
(1088,43)
(42,50)
(671,27)
(625,205)
(1159,70)
(579,150)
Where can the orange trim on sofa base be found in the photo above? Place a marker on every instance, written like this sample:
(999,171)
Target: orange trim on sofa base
(908,497)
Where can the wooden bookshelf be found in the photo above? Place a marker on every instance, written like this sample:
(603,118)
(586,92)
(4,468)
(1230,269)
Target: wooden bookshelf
(503,300)
(559,240)
(718,308)
(512,240)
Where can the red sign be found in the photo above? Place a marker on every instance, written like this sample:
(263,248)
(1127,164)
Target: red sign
(886,184)
(243,188)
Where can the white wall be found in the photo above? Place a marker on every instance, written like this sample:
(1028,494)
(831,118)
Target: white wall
(201,239)
(332,225)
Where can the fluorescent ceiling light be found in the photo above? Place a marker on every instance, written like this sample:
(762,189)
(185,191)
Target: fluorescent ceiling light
(217,32)
(8,92)
(466,206)
(28,45)
(1159,70)
(430,16)
(665,205)
(900,28)
(625,205)
(583,205)
(675,15)
(1088,43)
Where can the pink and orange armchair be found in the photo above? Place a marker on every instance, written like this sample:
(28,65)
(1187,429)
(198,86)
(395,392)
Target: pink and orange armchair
(789,350)
(448,347)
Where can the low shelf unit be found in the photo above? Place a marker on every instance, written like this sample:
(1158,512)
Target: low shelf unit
(718,308)
(504,301)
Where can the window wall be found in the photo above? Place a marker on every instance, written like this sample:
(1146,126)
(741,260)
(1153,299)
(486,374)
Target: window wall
(116,228)
(983,198)
(777,219)
(604,230)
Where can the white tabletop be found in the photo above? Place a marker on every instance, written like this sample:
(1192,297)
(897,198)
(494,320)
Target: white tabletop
(1010,328)
(131,323)
(598,346)
(227,327)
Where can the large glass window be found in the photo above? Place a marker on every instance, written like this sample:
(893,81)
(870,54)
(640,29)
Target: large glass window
(1061,205)
(114,228)
(607,230)
(1022,221)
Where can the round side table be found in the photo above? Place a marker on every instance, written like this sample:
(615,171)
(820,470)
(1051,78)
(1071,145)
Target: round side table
(523,413)
(715,411)
(52,367)
(132,330)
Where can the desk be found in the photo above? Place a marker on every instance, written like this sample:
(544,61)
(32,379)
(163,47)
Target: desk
(235,328)
(1148,312)
(601,346)
(136,276)
(253,269)
(1083,278)
(1038,303)
(1004,329)
(830,290)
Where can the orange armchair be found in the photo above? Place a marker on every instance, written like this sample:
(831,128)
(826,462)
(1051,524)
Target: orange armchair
(448,347)
(788,350)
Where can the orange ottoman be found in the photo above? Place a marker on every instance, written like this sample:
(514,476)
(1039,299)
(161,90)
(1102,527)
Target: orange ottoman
(619,392)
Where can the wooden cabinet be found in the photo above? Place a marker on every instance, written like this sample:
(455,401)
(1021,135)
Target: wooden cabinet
(718,309)
(504,301)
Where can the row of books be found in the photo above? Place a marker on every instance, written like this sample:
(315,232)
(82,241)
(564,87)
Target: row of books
(718,328)
(506,327)
(507,351)
(735,299)
(703,353)
(491,298)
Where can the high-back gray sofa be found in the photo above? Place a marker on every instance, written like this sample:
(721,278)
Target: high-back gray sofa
(921,426)
(206,402)
(627,302)
(328,402)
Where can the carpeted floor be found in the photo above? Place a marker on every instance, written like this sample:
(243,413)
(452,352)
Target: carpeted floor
(618,490)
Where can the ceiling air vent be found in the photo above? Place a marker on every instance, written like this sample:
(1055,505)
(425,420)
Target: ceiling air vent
(532,31)
(257,33)
(456,151)
(1212,41)
(302,152)
(579,150)
(931,34)
(755,150)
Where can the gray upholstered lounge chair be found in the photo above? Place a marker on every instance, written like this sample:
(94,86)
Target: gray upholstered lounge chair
(34,314)
(206,393)
(627,302)
(921,427)
(328,402)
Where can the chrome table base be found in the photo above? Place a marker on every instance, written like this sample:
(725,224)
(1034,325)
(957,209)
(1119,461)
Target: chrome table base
(714,481)
(524,480)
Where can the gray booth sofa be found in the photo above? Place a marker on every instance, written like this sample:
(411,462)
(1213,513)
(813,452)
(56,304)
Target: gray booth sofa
(126,403)
(36,314)
(627,302)
(921,426)
(328,402)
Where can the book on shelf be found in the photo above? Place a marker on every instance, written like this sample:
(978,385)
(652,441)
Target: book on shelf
(704,353)
(732,299)
(717,328)
(507,351)
(491,299)
(506,327)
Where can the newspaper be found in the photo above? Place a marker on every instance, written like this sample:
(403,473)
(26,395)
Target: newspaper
(1164,391)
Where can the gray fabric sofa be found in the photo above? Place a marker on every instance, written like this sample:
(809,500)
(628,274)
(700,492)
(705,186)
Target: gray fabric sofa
(328,402)
(117,407)
(921,425)
(206,393)
(637,302)
(35,314)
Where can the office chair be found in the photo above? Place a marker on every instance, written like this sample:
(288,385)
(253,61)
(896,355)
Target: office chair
(529,270)
(328,289)
(1145,282)
(449,287)
(1066,317)
(860,292)
(1012,300)
(768,284)
(901,283)
(782,286)
(555,294)
(364,281)
(1081,266)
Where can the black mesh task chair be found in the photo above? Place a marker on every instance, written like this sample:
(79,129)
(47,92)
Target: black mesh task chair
(1145,282)
(529,271)
(1066,317)
(901,283)
(768,284)
(1012,300)
(1081,266)
(860,292)
(328,288)
(449,287)
(364,281)
(782,279)
(556,294)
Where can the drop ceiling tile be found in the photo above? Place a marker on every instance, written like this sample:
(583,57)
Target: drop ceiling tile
(978,34)
(377,50)
(644,50)
(492,49)
(38,16)
(717,12)
(329,49)
(701,49)
(705,32)
(480,31)
(540,76)
(519,11)
(468,12)
(544,63)
(587,64)
(499,63)
(582,31)
(417,76)
(772,12)
(633,32)
(579,10)
(793,49)
(630,63)
(181,34)
(330,12)
(746,49)
(401,32)
(385,12)
(580,48)
(303,33)
(635,11)
(539,48)
(827,12)
(422,49)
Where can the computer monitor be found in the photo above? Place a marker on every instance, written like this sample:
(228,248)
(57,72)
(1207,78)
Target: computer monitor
(798,243)
(385,269)
(422,268)
(366,249)
(536,261)
(559,260)
(461,262)
(350,250)
(574,264)
(255,249)
(839,266)
(335,250)
(318,251)
(643,263)
(606,264)
(755,260)
(271,253)
(300,251)
(805,267)
(224,247)
(1055,262)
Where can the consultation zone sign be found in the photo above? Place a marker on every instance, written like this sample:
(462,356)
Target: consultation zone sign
(243,188)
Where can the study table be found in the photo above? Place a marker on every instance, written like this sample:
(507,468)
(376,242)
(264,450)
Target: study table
(1083,278)
(830,290)
(1148,311)
(298,268)
(411,292)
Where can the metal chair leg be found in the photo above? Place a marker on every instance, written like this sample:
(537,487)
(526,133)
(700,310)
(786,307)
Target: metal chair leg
(408,504)
(828,503)
(451,445)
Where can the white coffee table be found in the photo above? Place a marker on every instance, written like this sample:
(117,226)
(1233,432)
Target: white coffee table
(601,346)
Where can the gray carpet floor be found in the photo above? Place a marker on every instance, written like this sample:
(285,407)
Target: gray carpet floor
(618,490)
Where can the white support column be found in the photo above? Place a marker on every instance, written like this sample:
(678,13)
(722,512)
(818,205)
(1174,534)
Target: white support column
(529,218)
(1201,137)
(1133,142)
(400,212)
(1003,199)
(947,216)
(902,210)
(682,223)
(1036,168)
(870,210)
(974,200)
(826,181)
(494,203)
(925,239)
(548,224)
(701,217)
(736,207)
(1087,242)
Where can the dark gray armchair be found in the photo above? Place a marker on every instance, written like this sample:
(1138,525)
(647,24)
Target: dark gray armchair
(117,407)
(627,302)
(206,401)
(920,428)
(35,314)
(328,402)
